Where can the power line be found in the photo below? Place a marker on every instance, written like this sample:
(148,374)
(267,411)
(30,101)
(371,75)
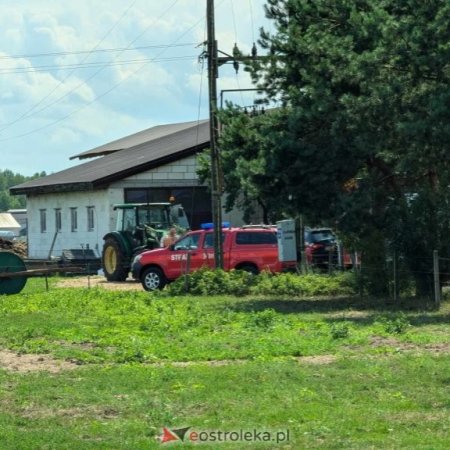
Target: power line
(27,114)
(91,52)
(234,21)
(251,17)
(93,65)
(105,92)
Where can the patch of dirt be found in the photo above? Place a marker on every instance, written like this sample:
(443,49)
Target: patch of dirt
(319,359)
(438,348)
(101,282)
(25,363)
(351,314)
(419,416)
(98,412)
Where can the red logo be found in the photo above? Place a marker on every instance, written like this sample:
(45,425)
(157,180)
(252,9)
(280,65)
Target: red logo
(173,435)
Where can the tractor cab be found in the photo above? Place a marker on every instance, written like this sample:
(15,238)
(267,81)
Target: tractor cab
(147,223)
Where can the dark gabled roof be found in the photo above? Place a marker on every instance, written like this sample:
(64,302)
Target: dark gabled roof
(181,141)
(145,136)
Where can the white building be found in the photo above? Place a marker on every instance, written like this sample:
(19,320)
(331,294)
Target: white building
(73,209)
(9,227)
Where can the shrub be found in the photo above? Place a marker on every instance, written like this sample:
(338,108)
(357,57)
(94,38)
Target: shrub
(212,282)
(208,282)
(396,324)
(339,330)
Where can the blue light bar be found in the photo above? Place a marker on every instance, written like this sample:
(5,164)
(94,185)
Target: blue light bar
(210,225)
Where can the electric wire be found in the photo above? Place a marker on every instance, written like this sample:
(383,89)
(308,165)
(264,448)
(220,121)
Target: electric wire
(93,64)
(91,52)
(105,92)
(251,18)
(28,113)
(234,21)
(199,106)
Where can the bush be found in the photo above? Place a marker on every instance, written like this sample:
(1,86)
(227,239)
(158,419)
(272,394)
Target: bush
(212,282)
(340,330)
(208,282)
(395,324)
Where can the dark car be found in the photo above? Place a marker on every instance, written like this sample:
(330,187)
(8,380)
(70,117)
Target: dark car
(322,248)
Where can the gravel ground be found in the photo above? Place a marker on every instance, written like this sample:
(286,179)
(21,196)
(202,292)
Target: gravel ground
(99,281)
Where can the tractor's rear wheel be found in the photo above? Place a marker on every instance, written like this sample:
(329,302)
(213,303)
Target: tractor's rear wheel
(116,264)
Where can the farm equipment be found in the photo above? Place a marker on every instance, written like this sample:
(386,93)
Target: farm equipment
(139,227)
(14,274)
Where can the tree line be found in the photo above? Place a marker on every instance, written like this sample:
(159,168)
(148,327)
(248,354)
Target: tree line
(8,179)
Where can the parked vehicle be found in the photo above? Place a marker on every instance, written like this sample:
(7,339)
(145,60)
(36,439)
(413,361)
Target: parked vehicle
(322,248)
(252,249)
(139,227)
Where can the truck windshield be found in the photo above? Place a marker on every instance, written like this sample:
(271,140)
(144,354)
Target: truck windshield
(156,217)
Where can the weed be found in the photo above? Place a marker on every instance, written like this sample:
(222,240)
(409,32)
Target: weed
(262,319)
(397,323)
(340,330)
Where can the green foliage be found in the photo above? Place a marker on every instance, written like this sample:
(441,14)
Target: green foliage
(207,282)
(212,282)
(264,320)
(361,137)
(9,179)
(395,323)
(340,330)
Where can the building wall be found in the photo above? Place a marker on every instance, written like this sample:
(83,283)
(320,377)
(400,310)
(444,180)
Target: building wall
(42,244)
(179,173)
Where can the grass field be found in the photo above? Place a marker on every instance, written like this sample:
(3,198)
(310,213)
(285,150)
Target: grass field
(117,367)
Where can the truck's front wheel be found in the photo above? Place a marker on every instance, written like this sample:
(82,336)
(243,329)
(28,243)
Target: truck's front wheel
(115,263)
(152,279)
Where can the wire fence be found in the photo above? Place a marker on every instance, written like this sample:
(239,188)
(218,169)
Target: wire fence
(394,276)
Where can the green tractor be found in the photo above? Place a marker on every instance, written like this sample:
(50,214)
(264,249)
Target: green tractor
(139,227)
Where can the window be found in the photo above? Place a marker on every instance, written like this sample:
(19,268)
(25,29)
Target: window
(188,243)
(254,238)
(58,220)
(90,218)
(43,220)
(73,219)
(209,240)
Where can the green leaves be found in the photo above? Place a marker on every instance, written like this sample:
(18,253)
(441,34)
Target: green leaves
(363,88)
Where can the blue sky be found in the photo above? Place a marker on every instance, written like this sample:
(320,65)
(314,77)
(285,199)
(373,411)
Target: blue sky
(76,75)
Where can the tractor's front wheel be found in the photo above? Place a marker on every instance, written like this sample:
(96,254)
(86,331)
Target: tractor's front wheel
(116,264)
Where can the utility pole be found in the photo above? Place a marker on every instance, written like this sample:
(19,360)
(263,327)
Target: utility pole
(214,61)
(216,189)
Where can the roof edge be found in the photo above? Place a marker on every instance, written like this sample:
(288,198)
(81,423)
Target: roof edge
(52,188)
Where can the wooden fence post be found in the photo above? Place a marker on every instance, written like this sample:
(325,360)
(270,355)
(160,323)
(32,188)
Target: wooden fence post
(437,284)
